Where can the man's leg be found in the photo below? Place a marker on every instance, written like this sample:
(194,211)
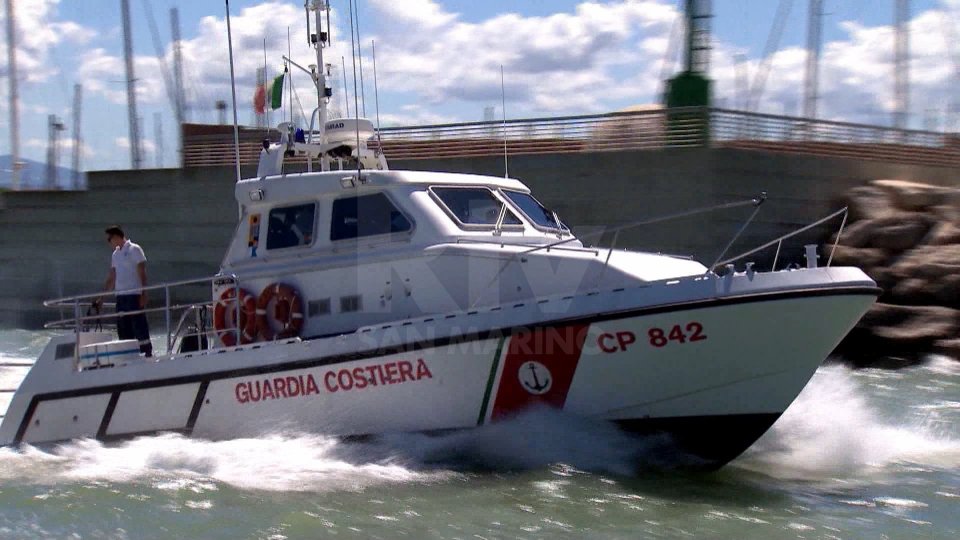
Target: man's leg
(141,331)
(124,322)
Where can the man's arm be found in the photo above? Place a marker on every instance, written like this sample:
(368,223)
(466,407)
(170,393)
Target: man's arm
(142,274)
(107,286)
(111,280)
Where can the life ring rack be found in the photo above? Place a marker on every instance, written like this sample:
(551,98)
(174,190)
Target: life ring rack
(286,312)
(225,311)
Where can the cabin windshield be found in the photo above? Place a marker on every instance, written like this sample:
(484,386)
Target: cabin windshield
(536,212)
(473,206)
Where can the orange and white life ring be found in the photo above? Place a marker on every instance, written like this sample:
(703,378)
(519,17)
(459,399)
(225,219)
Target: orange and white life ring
(279,312)
(225,314)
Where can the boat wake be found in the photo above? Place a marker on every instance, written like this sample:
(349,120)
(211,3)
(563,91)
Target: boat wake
(317,463)
(833,431)
(272,463)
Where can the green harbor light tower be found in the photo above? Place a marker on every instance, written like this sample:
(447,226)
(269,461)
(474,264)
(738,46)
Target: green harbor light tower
(691,87)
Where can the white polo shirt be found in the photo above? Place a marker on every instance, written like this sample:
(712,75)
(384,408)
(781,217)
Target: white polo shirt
(125,260)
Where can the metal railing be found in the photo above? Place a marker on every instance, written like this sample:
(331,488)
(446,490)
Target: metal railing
(639,130)
(82,318)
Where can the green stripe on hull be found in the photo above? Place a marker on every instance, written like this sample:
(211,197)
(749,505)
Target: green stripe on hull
(493,375)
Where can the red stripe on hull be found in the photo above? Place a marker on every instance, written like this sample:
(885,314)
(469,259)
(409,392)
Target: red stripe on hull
(538,369)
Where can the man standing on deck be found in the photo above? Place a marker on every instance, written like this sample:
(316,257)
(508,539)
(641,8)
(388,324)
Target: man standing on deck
(128,273)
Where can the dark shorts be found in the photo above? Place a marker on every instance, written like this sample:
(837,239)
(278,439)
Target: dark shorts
(133,326)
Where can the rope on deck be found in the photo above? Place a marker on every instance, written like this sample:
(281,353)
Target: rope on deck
(16,364)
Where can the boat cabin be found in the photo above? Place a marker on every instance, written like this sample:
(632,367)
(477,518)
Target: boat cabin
(362,249)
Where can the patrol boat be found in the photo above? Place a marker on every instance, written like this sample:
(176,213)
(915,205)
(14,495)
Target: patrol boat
(363,300)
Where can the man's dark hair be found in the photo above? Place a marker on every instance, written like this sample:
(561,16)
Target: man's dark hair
(114,230)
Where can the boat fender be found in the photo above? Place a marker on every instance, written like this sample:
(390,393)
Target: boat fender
(286,313)
(225,312)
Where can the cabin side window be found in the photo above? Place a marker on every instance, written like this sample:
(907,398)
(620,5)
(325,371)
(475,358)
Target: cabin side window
(291,226)
(366,215)
(536,212)
(473,206)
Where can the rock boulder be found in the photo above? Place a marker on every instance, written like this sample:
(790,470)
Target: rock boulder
(943,233)
(893,233)
(903,332)
(868,202)
(863,258)
(929,263)
(913,196)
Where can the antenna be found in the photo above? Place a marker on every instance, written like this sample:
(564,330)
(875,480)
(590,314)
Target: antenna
(286,70)
(233,91)
(503,105)
(266,106)
(355,98)
(363,88)
(346,93)
(319,40)
(376,93)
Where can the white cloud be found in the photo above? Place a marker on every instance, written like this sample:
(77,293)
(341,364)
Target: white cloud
(104,74)
(146,145)
(596,58)
(66,149)
(559,63)
(857,73)
(413,115)
(207,71)
(73,32)
(37,33)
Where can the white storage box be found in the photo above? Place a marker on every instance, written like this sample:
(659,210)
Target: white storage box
(109,354)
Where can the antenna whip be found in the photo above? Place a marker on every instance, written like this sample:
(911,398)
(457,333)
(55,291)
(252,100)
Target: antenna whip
(233,91)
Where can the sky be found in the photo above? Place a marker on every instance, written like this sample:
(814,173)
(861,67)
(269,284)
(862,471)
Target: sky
(438,61)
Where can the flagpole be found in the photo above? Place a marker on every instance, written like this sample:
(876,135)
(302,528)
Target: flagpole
(233,91)
(266,110)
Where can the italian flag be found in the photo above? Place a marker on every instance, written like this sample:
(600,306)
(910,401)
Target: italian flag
(269,93)
(275,92)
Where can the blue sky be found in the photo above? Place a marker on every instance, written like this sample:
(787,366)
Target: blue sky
(438,60)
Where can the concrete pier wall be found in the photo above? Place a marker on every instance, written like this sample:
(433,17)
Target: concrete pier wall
(52,243)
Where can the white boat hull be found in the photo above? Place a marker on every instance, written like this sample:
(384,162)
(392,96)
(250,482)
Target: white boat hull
(715,373)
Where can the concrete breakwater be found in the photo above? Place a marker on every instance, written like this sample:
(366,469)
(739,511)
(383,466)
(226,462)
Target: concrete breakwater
(906,236)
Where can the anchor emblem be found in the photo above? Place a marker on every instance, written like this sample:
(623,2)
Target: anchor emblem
(535,377)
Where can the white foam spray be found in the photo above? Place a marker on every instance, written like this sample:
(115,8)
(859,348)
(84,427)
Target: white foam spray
(318,463)
(833,431)
(273,463)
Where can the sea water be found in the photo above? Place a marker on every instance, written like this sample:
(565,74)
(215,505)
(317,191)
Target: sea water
(860,454)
